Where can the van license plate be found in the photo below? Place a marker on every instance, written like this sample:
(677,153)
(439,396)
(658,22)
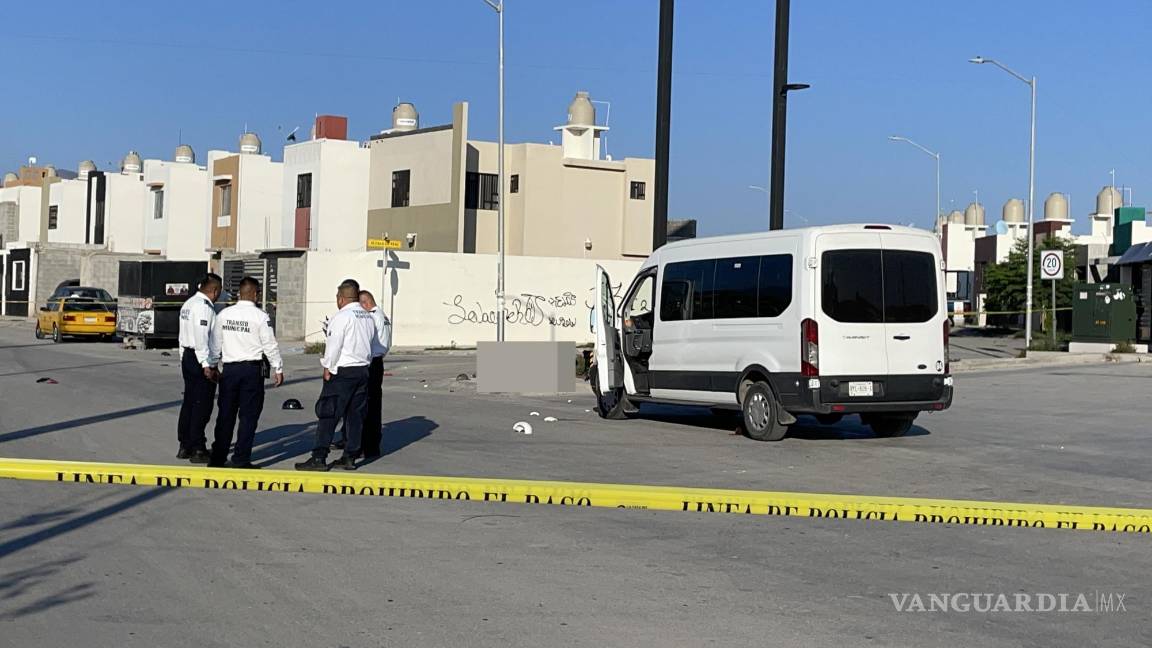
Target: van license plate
(90,320)
(860,389)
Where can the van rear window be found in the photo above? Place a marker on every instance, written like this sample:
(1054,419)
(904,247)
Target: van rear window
(874,286)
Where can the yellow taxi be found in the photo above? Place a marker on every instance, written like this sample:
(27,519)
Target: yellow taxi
(77,311)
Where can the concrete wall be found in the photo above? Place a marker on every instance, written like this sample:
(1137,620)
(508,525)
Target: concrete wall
(439,299)
(292,283)
(89,264)
(102,269)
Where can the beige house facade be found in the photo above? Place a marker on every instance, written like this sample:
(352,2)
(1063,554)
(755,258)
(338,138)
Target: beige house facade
(435,190)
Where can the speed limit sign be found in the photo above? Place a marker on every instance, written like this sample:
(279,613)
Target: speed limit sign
(1051,264)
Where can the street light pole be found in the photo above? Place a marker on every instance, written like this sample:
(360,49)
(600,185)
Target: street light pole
(1031,192)
(498,6)
(897,138)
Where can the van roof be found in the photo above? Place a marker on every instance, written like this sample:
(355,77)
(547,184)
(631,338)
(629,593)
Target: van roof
(822,229)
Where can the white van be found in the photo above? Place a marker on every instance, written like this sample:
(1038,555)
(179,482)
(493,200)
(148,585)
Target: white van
(847,319)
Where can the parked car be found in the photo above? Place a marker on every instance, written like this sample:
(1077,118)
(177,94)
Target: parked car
(828,321)
(77,311)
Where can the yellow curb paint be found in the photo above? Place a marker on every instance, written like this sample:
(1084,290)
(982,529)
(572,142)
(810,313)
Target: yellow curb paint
(626,496)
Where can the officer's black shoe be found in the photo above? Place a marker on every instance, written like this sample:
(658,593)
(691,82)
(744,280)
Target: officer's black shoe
(184,453)
(246,466)
(200,456)
(347,462)
(314,463)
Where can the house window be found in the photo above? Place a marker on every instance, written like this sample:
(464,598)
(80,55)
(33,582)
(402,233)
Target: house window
(481,191)
(157,204)
(53,217)
(303,190)
(226,199)
(18,275)
(514,184)
(401,187)
(637,191)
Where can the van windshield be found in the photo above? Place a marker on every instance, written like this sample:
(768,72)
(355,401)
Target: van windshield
(877,286)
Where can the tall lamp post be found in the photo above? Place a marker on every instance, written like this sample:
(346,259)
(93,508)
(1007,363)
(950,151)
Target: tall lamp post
(498,7)
(1031,191)
(897,138)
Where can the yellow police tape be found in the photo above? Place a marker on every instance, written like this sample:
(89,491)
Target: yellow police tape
(664,498)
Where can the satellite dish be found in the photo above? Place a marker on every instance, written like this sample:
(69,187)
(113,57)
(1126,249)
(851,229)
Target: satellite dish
(1001,227)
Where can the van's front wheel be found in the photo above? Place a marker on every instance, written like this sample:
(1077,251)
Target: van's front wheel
(612,405)
(760,411)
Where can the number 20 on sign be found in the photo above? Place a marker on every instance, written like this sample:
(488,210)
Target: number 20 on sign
(1052,264)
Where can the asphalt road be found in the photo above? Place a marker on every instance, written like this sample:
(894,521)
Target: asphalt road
(105,565)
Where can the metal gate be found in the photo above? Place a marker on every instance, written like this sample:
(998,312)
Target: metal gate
(17,281)
(264,271)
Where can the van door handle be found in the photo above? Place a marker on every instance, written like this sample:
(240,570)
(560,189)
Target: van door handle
(901,337)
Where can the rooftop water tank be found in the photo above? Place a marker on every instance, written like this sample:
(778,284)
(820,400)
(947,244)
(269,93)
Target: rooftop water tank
(405,118)
(250,143)
(184,153)
(85,167)
(974,214)
(1013,211)
(956,216)
(1056,207)
(1108,200)
(10,178)
(131,163)
(581,111)
(49,171)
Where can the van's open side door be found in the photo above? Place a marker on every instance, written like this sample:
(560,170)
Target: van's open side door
(609,364)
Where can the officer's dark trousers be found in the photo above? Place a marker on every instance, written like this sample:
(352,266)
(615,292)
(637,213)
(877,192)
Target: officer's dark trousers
(342,397)
(375,399)
(196,410)
(241,392)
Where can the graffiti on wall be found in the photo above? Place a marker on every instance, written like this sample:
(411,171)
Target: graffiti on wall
(563,310)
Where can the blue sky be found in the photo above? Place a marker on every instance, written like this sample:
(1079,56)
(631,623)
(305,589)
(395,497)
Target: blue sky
(92,80)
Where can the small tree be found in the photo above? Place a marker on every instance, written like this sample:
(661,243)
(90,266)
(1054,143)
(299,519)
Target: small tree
(1006,283)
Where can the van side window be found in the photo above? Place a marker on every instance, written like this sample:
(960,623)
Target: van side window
(734,294)
(686,292)
(638,310)
(775,285)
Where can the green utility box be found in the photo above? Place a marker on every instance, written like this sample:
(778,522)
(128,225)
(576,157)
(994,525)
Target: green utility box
(1103,313)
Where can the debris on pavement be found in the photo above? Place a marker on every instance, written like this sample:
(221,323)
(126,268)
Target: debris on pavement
(523,427)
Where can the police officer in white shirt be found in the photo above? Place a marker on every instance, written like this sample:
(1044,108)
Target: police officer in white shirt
(380,346)
(347,354)
(198,364)
(245,336)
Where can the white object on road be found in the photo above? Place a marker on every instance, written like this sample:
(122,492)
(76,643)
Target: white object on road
(533,413)
(523,427)
(550,419)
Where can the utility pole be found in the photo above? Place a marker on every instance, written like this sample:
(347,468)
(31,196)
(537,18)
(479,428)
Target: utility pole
(780,90)
(663,124)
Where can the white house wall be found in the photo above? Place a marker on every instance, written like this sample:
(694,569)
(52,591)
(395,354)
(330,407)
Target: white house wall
(261,193)
(71,199)
(440,299)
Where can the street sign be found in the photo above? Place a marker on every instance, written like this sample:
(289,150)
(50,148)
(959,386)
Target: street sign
(383,244)
(1051,264)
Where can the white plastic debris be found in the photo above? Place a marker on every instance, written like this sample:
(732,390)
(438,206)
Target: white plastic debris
(587,411)
(533,413)
(550,419)
(523,427)
(569,400)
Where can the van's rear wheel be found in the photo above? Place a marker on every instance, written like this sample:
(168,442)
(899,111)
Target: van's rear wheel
(612,405)
(890,425)
(760,411)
